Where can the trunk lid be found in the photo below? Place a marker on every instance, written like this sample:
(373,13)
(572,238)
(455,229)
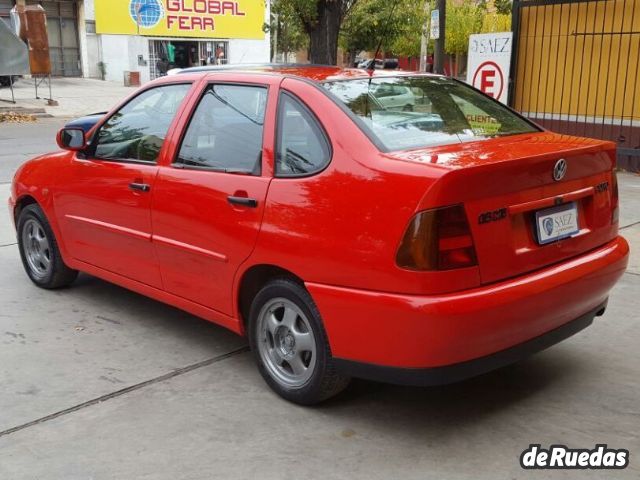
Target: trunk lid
(503,182)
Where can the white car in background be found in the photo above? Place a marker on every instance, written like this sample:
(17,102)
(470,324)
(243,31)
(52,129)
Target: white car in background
(395,97)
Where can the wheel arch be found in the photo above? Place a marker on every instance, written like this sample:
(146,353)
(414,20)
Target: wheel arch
(22,202)
(250,283)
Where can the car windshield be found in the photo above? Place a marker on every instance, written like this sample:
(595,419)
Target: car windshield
(400,113)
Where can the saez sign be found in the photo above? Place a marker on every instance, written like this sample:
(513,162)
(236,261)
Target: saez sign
(488,63)
(181,18)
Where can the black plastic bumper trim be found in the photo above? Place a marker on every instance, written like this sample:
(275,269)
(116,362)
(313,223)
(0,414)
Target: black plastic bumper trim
(470,368)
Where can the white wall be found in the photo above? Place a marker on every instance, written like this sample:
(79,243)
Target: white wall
(120,54)
(249,51)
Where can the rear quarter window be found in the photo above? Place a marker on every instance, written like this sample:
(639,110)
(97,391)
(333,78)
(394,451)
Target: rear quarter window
(302,146)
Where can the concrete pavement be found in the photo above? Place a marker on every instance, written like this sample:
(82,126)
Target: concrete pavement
(101,383)
(75,96)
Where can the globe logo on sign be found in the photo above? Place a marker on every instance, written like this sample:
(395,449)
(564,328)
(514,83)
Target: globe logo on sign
(146,13)
(547,224)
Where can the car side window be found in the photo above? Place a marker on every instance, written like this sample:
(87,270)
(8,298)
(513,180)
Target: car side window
(137,131)
(302,147)
(225,132)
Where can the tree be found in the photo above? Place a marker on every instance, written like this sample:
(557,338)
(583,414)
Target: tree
(503,7)
(321,20)
(290,35)
(463,19)
(397,28)
(495,22)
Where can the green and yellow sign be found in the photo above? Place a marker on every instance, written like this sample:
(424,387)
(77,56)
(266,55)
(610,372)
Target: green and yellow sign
(182,18)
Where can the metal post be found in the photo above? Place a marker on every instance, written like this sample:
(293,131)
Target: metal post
(274,56)
(515,28)
(424,41)
(438,54)
(13,97)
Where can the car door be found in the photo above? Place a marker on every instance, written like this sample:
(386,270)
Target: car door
(104,200)
(208,202)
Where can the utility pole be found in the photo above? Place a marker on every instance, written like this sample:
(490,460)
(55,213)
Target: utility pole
(424,41)
(438,54)
(274,54)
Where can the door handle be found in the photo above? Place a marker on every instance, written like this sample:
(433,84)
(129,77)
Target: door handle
(143,187)
(244,201)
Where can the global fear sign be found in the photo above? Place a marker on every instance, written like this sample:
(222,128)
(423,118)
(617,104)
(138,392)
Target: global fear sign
(488,63)
(181,18)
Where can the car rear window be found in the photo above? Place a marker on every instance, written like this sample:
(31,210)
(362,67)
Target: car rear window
(400,113)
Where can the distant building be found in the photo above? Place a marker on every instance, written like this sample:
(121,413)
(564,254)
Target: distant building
(89,38)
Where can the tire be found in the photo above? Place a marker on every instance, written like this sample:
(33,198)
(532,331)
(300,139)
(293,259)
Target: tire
(290,345)
(407,108)
(39,250)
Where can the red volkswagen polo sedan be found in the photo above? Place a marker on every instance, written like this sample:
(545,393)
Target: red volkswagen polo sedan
(391,226)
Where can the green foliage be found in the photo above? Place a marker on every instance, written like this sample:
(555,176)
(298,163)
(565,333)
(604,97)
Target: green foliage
(371,20)
(291,36)
(463,19)
(503,7)
(495,22)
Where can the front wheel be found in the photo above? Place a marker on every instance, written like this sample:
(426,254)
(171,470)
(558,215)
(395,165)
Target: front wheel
(290,345)
(39,250)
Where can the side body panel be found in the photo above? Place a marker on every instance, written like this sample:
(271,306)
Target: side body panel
(199,237)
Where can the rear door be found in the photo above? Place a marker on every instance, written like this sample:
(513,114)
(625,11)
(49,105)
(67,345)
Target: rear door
(208,202)
(104,200)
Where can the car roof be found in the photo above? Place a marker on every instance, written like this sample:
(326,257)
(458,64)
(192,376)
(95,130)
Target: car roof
(318,73)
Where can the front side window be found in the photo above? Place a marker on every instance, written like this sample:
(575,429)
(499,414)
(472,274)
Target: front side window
(302,147)
(137,131)
(411,112)
(225,133)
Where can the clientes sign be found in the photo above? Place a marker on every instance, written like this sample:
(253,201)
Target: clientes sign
(181,18)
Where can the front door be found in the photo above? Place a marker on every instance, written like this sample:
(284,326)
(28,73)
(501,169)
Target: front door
(104,198)
(208,204)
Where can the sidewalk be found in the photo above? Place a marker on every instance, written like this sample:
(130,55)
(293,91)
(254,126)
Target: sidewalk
(75,96)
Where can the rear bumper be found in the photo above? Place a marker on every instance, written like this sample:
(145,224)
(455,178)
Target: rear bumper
(427,332)
(470,368)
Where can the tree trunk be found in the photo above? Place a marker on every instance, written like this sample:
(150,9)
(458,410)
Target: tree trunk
(323,33)
(352,58)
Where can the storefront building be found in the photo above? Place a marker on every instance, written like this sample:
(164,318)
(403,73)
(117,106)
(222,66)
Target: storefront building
(107,38)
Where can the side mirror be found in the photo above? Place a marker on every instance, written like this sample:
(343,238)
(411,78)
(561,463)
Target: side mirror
(71,138)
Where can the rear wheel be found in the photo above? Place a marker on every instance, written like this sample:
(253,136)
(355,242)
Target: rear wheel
(39,250)
(290,345)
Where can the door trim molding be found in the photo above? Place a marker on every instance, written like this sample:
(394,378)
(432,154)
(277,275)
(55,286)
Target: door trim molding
(190,248)
(111,227)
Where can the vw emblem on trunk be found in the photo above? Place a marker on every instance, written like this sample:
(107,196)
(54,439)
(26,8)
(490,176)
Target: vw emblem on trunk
(559,169)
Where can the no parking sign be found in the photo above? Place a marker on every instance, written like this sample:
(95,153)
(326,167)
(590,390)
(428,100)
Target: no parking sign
(488,63)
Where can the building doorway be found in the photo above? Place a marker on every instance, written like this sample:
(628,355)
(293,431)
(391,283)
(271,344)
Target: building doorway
(167,54)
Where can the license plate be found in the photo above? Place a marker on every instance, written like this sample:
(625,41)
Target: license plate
(556,223)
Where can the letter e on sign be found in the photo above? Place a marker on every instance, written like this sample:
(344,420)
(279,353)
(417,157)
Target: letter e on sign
(489,78)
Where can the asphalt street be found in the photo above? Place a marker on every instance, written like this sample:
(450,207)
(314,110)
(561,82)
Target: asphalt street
(101,383)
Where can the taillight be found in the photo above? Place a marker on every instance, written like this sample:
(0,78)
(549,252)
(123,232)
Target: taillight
(438,239)
(615,210)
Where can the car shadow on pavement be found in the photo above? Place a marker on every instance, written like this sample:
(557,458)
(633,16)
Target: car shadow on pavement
(114,304)
(461,403)
(441,407)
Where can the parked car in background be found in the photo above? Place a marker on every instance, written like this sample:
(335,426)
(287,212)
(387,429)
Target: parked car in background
(87,122)
(344,238)
(395,97)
